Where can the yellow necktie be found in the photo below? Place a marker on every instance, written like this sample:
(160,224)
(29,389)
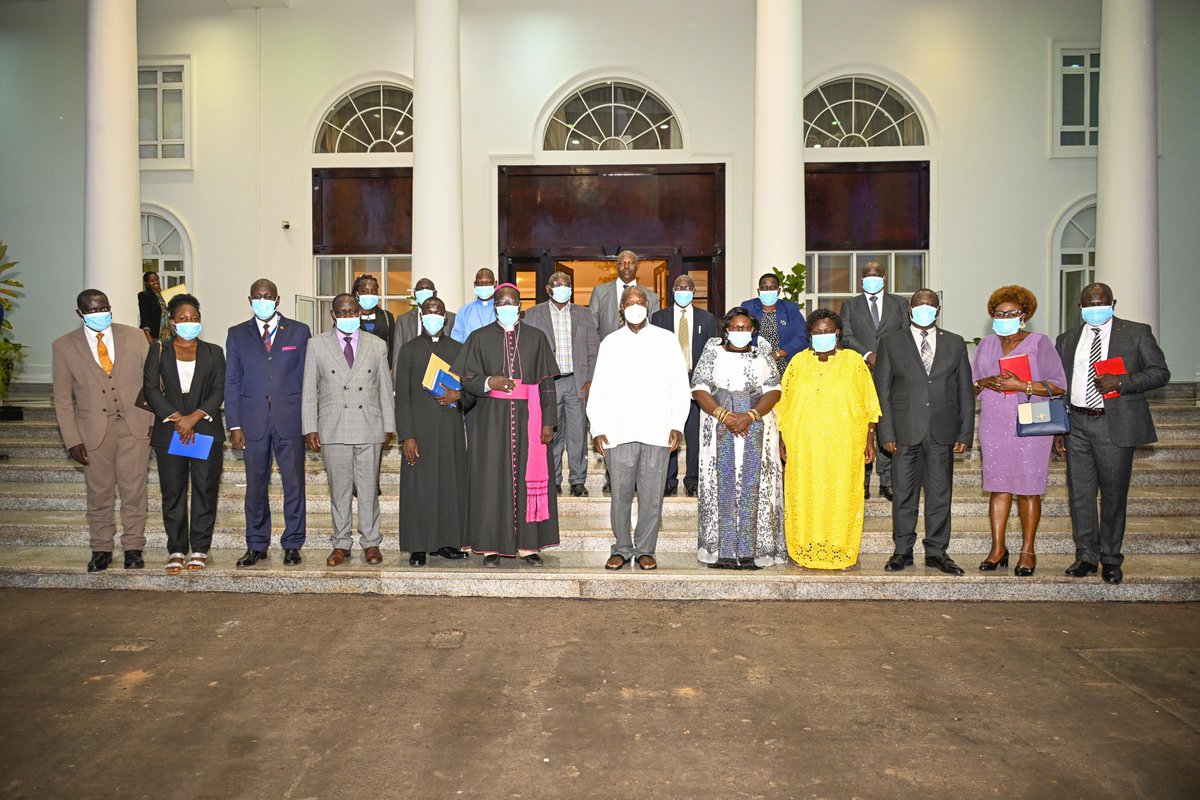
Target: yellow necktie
(683,340)
(102,354)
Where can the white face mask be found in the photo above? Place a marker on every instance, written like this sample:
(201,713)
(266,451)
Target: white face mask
(635,314)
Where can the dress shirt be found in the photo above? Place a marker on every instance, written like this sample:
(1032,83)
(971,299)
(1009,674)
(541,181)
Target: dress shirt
(640,391)
(108,342)
(471,317)
(341,340)
(621,287)
(271,324)
(916,334)
(691,324)
(1082,368)
(560,321)
(878,302)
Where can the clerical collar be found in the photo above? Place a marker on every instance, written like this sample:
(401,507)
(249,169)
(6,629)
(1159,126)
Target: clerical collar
(368,316)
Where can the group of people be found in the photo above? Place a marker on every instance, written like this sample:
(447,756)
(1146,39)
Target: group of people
(779,416)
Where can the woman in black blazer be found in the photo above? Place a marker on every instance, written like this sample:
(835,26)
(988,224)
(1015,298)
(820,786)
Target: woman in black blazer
(375,318)
(153,318)
(184,383)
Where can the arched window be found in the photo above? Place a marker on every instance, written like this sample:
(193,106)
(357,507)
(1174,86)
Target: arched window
(377,118)
(1075,260)
(612,115)
(165,249)
(860,112)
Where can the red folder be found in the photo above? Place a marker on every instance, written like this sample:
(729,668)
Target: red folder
(1017,365)
(1111,366)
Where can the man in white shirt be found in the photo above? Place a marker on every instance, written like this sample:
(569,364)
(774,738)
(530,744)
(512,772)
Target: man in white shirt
(637,408)
(605,304)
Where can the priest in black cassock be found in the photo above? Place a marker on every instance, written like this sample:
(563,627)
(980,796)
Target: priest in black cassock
(433,472)
(510,369)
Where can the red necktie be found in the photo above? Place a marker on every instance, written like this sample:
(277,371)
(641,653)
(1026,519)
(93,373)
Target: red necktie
(267,337)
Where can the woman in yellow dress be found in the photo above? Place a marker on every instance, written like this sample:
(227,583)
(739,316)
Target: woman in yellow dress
(827,422)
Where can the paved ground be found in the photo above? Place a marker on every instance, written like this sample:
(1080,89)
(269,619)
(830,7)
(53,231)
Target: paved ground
(151,695)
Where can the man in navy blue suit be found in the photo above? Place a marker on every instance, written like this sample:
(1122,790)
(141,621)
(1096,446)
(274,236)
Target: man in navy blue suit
(264,378)
(693,327)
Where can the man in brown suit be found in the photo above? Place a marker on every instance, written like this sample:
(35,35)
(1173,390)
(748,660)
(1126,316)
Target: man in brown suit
(97,377)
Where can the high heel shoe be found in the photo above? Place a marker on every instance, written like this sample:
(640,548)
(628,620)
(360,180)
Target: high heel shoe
(990,566)
(1026,572)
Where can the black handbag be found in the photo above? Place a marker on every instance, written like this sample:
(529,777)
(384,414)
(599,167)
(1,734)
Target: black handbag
(1044,418)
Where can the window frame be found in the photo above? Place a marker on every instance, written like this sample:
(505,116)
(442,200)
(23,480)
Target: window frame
(185,241)
(813,294)
(579,93)
(1058,269)
(1057,73)
(185,64)
(324,302)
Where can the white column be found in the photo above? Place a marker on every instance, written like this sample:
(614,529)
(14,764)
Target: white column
(778,139)
(112,181)
(437,150)
(1127,167)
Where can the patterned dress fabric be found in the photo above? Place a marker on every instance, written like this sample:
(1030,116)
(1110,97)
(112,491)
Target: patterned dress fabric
(768,330)
(823,416)
(741,477)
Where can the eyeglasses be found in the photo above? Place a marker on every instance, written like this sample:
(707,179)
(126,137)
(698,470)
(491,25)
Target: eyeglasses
(1008,314)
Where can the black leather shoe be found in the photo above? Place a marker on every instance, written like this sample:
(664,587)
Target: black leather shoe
(452,553)
(1111,573)
(898,561)
(944,563)
(491,561)
(578,490)
(291,556)
(133,559)
(99,562)
(690,491)
(671,491)
(1081,569)
(417,559)
(607,486)
(251,557)
(558,488)
(534,560)
(866,493)
(887,493)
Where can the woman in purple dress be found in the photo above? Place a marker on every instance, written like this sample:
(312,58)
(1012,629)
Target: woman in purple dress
(1013,465)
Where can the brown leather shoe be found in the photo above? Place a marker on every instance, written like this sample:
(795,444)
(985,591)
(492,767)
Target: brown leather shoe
(647,562)
(373,555)
(616,561)
(338,556)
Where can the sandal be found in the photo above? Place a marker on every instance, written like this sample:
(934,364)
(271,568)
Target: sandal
(175,563)
(197,562)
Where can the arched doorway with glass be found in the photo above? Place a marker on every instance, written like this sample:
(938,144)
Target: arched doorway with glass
(1073,262)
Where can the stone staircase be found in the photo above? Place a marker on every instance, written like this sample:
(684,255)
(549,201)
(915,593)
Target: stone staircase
(43,535)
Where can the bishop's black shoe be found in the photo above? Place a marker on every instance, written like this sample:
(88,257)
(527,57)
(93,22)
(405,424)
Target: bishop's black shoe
(452,553)
(417,559)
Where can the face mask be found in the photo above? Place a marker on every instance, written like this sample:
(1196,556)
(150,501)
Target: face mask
(769,298)
(923,316)
(347,324)
(739,338)
(683,297)
(422,295)
(561,294)
(263,309)
(485,292)
(98,321)
(508,315)
(187,330)
(368,301)
(824,342)
(872,284)
(1006,327)
(635,314)
(433,323)
(1096,315)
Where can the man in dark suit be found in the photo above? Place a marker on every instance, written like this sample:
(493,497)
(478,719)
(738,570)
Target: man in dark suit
(605,304)
(571,330)
(264,378)
(923,377)
(865,318)
(693,327)
(408,325)
(1105,430)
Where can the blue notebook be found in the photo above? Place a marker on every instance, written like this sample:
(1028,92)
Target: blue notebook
(199,448)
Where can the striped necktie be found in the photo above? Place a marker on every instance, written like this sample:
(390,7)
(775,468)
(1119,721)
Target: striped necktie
(1093,398)
(267,337)
(926,352)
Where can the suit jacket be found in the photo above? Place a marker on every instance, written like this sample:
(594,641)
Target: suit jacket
(704,327)
(149,313)
(940,404)
(604,305)
(585,342)
(262,390)
(406,331)
(84,395)
(347,405)
(858,328)
(207,391)
(1130,423)
(793,331)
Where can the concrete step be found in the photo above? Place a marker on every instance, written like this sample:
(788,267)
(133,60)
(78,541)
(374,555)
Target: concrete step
(1158,578)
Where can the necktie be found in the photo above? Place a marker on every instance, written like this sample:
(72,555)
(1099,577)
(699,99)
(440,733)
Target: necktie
(926,352)
(105,361)
(349,351)
(683,339)
(875,310)
(267,337)
(1093,397)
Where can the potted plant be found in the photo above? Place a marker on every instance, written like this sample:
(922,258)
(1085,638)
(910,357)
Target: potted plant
(791,284)
(11,353)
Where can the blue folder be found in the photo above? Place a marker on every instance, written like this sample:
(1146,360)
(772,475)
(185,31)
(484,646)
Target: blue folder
(199,448)
(441,382)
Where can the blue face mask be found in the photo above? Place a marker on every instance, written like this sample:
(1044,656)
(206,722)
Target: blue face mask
(508,315)
(739,338)
(421,295)
(561,294)
(872,284)
(433,323)
(769,298)
(98,321)
(824,342)
(187,330)
(263,309)
(1096,315)
(347,324)
(368,301)
(485,292)
(683,297)
(923,315)
(1006,327)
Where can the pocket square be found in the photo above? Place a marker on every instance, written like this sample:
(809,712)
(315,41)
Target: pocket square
(290,347)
